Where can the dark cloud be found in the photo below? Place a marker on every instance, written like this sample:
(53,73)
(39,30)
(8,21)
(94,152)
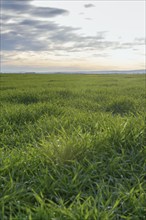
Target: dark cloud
(36,35)
(89,5)
(48,12)
(14,5)
(24,7)
(37,25)
(14,41)
(19,33)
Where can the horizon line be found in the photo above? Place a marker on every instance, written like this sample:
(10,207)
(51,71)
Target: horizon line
(73,71)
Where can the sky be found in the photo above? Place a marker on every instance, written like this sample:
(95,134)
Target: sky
(51,35)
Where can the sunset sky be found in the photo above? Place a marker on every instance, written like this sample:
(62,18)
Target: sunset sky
(72,35)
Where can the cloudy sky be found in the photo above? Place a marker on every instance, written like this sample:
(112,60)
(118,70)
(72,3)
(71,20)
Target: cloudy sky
(74,35)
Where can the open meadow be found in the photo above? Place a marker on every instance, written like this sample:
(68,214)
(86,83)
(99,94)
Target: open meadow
(73,147)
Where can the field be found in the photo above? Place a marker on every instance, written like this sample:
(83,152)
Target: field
(73,147)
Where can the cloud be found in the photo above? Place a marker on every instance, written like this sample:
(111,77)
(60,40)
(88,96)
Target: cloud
(89,19)
(18,6)
(35,34)
(19,33)
(24,7)
(131,45)
(81,13)
(14,41)
(48,12)
(89,5)
(140,41)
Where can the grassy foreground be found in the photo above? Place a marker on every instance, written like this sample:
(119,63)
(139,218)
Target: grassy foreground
(73,147)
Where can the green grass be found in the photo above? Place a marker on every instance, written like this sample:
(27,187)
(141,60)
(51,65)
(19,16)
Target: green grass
(73,147)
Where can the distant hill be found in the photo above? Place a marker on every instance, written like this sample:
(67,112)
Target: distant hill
(98,72)
(143,71)
(102,72)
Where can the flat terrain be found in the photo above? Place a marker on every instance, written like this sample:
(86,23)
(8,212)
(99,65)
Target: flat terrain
(73,147)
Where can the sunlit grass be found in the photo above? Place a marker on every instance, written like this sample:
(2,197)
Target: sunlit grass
(73,147)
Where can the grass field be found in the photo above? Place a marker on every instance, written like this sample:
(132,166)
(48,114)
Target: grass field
(73,147)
